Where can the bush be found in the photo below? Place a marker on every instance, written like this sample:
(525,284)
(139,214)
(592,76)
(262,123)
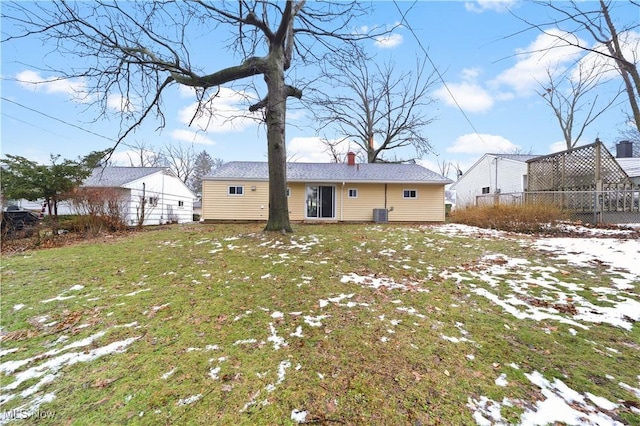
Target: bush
(516,218)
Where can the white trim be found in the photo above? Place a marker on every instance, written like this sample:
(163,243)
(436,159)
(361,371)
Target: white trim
(404,194)
(235,194)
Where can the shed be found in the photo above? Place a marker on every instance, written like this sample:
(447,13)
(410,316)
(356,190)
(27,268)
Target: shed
(165,197)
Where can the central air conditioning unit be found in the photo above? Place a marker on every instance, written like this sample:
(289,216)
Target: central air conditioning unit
(380,215)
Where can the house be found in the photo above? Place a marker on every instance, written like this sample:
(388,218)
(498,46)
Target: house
(492,174)
(164,196)
(628,163)
(335,192)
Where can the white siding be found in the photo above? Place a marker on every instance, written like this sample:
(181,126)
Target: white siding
(168,191)
(505,176)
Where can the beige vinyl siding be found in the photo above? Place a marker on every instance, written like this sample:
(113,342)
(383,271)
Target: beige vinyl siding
(253,205)
(428,206)
(370,196)
(217,204)
(296,200)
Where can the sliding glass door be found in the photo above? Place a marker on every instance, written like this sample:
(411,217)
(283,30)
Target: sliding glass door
(320,202)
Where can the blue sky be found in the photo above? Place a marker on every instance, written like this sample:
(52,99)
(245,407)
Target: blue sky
(479,48)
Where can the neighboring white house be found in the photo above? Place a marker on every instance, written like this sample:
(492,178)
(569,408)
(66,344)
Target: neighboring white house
(492,174)
(167,198)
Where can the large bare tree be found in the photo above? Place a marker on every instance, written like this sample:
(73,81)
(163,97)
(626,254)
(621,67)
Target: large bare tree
(608,40)
(138,50)
(568,95)
(377,108)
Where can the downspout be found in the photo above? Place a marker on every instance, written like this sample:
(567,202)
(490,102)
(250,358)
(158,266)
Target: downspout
(385,196)
(162,207)
(342,203)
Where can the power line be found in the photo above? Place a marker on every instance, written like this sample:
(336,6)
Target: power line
(32,125)
(466,117)
(58,119)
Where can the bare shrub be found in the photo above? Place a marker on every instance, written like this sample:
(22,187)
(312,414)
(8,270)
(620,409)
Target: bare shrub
(525,218)
(99,210)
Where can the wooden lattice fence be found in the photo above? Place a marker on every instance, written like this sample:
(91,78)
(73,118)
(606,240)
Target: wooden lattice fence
(586,168)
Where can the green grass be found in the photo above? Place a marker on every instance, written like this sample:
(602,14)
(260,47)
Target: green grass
(207,305)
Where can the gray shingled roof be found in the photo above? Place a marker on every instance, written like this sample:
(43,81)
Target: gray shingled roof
(630,165)
(331,172)
(517,157)
(113,177)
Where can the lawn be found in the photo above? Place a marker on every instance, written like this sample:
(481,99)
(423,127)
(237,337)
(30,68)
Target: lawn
(334,324)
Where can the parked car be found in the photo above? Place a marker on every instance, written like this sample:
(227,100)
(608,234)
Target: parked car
(15,220)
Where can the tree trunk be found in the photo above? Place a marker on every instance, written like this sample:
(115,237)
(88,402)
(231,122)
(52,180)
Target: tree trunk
(277,154)
(628,70)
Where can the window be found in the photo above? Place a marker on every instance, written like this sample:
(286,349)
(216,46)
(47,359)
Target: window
(485,190)
(236,190)
(180,203)
(353,193)
(409,193)
(288,192)
(153,201)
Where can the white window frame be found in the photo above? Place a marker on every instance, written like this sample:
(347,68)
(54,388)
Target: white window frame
(355,193)
(180,203)
(235,190)
(487,188)
(406,194)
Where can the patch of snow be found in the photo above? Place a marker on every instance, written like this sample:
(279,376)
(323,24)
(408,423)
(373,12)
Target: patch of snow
(244,342)
(601,402)
(277,341)
(213,373)
(133,293)
(168,374)
(18,307)
(314,321)
(59,298)
(299,416)
(501,380)
(189,400)
(4,352)
(633,390)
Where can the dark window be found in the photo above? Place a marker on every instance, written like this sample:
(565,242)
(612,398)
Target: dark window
(236,190)
(485,190)
(409,193)
(353,193)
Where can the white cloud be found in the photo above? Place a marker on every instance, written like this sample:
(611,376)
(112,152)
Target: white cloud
(557,147)
(311,150)
(547,52)
(480,6)
(227,111)
(470,96)
(34,81)
(474,143)
(388,41)
(605,66)
(120,103)
(191,137)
